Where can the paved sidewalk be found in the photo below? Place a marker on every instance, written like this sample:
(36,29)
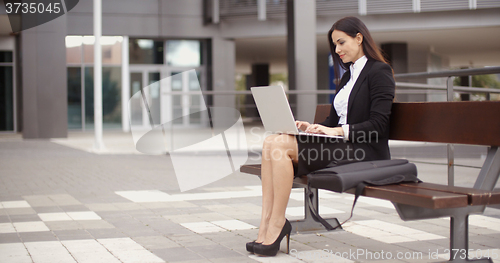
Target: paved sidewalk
(59,202)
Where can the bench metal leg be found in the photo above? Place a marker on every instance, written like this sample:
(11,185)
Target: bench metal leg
(459,227)
(459,240)
(308,224)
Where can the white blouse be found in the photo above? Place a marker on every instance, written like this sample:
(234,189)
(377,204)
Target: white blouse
(342,98)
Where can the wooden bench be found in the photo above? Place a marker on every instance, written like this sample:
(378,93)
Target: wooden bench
(476,123)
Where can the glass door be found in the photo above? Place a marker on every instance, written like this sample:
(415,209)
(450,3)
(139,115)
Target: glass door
(6,91)
(145,98)
(185,99)
(173,97)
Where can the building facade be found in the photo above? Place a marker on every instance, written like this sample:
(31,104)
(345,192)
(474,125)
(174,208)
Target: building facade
(46,81)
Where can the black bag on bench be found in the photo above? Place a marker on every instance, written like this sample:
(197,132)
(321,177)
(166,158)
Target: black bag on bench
(342,176)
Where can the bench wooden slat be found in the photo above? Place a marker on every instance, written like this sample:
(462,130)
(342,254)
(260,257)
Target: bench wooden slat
(427,121)
(416,196)
(251,169)
(495,198)
(405,194)
(475,196)
(471,122)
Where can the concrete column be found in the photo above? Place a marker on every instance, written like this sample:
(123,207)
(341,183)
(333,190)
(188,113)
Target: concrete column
(44,80)
(301,42)
(223,63)
(125,84)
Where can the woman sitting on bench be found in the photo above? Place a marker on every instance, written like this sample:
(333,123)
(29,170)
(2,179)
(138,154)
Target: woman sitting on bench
(360,113)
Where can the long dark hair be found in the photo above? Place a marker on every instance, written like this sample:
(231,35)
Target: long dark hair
(352,26)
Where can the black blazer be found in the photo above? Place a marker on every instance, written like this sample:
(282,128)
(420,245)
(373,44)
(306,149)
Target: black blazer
(368,109)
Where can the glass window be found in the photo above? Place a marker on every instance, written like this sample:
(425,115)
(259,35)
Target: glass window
(135,101)
(111,97)
(74,98)
(176,85)
(6,99)
(145,51)
(6,56)
(111,49)
(74,49)
(154,95)
(81,110)
(183,53)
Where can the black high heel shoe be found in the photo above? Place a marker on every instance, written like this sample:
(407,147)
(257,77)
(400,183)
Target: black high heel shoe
(250,246)
(272,249)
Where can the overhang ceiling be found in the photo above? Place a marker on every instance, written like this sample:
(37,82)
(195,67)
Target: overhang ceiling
(463,47)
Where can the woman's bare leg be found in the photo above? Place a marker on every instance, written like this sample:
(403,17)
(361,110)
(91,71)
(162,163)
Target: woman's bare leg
(283,153)
(267,187)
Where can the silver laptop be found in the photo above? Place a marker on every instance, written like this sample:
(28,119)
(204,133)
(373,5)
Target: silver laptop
(275,111)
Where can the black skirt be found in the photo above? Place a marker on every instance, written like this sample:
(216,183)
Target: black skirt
(316,153)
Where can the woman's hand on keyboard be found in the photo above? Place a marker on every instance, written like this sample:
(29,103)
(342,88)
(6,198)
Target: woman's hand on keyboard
(302,125)
(320,129)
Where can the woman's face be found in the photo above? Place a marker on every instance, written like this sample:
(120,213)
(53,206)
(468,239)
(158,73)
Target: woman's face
(348,48)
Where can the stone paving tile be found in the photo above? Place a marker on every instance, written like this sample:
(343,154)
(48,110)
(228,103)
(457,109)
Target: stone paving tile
(226,236)
(163,226)
(191,240)
(64,200)
(106,233)
(367,243)
(420,246)
(211,216)
(74,208)
(113,216)
(19,211)
(48,209)
(94,180)
(139,231)
(4,219)
(125,221)
(48,252)
(241,259)
(169,228)
(72,234)
(181,218)
(152,220)
(14,252)
(487,240)
(142,214)
(214,251)
(235,243)
(132,256)
(99,207)
(440,242)
(86,257)
(250,234)
(39,200)
(128,206)
(9,238)
(155,242)
(37,236)
(178,254)
(63,225)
